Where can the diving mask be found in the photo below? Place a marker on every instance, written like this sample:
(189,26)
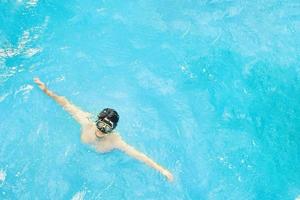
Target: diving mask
(105,125)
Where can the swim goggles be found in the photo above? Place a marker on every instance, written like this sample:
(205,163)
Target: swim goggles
(105,125)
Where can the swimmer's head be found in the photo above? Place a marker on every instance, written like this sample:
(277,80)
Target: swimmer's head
(107,120)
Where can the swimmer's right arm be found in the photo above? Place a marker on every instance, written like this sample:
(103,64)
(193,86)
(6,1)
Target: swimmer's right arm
(75,112)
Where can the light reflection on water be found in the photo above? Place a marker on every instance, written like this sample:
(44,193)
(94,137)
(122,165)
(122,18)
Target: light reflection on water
(205,88)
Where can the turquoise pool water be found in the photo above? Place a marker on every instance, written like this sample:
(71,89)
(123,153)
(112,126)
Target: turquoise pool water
(208,89)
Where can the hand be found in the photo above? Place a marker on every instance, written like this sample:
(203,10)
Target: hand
(168,175)
(39,83)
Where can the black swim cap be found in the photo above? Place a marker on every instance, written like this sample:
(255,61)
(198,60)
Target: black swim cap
(109,114)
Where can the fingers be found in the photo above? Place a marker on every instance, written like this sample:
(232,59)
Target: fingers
(169,176)
(37,80)
(39,83)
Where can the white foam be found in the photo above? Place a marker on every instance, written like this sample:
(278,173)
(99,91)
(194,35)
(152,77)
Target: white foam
(23,42)
(298,197)
(79,195)
(2,176)
(32,51)
(31,3)
(7,53)
(25,89)
(3,97)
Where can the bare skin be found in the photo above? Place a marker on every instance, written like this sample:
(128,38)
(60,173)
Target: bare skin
(101,142)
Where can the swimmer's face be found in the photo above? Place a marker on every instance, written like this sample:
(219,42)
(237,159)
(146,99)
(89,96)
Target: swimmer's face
(104,125)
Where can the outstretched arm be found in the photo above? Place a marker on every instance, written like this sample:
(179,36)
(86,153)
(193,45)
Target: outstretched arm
(131,151)
(75,112)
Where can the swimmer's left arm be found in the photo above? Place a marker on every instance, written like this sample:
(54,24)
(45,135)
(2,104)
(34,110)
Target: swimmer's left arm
(131,151)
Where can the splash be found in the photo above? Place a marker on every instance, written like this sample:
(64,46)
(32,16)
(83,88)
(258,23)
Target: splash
(22,48)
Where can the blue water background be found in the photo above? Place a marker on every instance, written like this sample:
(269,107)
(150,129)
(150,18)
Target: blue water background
(208,89)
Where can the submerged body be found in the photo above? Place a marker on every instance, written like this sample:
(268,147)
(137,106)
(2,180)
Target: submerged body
(102,145)
(100,141)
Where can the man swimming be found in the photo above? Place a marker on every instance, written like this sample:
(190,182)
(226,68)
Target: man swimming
(101,135)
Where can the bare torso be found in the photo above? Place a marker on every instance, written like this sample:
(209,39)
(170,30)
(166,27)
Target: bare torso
(103,144)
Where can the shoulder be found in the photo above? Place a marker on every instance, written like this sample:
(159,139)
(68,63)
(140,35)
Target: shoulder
(88,125)
(116,139)
(114,136)
(87,132)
